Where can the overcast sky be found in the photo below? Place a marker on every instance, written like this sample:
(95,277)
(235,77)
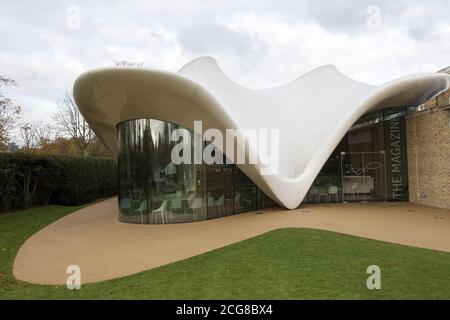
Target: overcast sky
(257,43)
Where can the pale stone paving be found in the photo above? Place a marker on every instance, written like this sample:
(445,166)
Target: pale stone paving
(105,248)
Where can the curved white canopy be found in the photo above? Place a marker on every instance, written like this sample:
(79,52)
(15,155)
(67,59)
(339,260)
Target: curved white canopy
(312,113)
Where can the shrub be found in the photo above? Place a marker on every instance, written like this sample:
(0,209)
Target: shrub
(28,180)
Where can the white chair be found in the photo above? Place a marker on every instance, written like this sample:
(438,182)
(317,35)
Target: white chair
(354,189)
(323,195)
(313,192)
(162,210)
(237,202)
(220,204)
(248,202)
(143,207)
(333,191)
(195,206)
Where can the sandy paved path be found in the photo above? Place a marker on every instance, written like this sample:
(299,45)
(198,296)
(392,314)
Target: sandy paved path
(105,248)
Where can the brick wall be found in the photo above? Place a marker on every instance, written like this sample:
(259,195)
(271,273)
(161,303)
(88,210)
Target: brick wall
(428,147)
(441,100)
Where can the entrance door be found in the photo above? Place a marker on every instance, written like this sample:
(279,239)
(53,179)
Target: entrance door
(363,176)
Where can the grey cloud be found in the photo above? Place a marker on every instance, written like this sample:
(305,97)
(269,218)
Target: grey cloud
(259,43)
(219,40)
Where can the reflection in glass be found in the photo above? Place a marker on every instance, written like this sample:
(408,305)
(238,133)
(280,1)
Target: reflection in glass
(369,164)
(246,194)
(153,189)
(219,179)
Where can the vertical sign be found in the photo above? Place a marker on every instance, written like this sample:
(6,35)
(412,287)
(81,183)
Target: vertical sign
(395,145)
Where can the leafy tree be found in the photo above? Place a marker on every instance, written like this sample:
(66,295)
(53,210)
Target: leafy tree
(62,146)
(97,149)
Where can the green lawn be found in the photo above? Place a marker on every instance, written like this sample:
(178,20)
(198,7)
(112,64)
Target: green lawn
(282,264)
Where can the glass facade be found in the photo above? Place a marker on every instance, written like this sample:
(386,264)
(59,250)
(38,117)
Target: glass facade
(152,189)
(369,164)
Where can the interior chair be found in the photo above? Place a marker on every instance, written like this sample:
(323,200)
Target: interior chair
(162,211)
(220,204)
(197,205)
(323,193)
(333,192)
(248,203)
(314,192)
(142,209)
(354,189)
(237,202)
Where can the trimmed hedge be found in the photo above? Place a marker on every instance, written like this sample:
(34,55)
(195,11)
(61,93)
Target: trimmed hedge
(28,180)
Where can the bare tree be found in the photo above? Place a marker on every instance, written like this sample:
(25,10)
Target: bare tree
(45,135)
(73,124)
(29,137)
(37,137)
(9,112)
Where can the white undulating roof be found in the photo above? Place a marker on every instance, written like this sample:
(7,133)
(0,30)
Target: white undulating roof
(312,113)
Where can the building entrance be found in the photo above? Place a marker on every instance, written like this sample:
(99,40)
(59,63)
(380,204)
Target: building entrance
(369,164)
(363,176)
